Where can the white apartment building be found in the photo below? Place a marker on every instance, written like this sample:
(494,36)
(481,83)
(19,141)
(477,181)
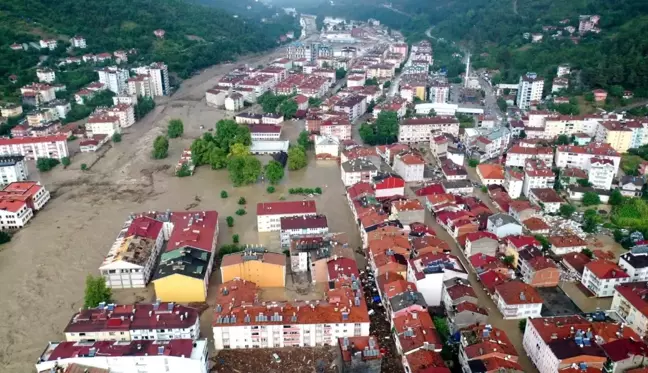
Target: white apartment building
(131,259)
(529,90)
(42,92)
(430,271)
(103,124)
(635,264)
(569,125)
(537,174)
(419,130)
(327,146)
(602,276)
(181,355)
(439,93)
(581,156)
(45,75)
(357,170)
(158,73)
(354,106)
(14,214)
(114,78)
(125,99)
(601,173)
(310,225)
(410,167)
(50,44)
(157,321)
(517,300)
(139,85)
(10,110)
(12,168)
(33,148)
(265,132)
(338,129)
(518,155)
(78,42)
(269,214)
(513,183)
(631,302)
(125,114)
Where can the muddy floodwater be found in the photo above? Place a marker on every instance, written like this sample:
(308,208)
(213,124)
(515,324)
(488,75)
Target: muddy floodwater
(43,268)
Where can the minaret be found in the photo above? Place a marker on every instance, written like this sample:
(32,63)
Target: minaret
(467,71)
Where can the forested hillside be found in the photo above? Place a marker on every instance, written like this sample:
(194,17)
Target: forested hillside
(196,35)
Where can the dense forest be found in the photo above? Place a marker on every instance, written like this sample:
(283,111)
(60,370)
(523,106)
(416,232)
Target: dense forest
(196,35)
(493,32)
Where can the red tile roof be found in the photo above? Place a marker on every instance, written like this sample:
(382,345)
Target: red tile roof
(195,229)
(491,279)
(304,222)
(176,347)
(517,292)
(474,236)
(604,269)
(577,261)
(342,267)
(569,240)
(358,344)
(144,226)
(624,348)
(420,324)
(425,361)
(389,183)
(470,307)
(491,171)
(535,224)
(286,208)
(522,241)
(266,257)
(636,294)
(33,140)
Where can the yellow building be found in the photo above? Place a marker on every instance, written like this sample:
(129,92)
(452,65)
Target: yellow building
(265,269)
(420,92)
(183,275)
(618,135)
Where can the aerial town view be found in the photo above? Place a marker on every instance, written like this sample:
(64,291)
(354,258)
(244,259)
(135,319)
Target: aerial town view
(324,186)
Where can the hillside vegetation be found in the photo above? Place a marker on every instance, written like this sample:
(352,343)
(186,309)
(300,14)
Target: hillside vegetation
(196,35)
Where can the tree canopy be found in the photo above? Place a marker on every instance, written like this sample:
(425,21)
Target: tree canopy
(383,131)
(274,172)
(160,147)
(244,169)
(175,129)
(96,292)
(297,158)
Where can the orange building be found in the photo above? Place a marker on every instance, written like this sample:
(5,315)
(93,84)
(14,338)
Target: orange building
(263,268)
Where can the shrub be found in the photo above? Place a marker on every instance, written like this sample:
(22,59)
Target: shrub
(65,161)
(270,189)
(96,291)
(4,237)
(235,238)
(224,194)
(46,164)
(242,201)
(116,137)
(84,166)
(318,190)
(183,171)
(230,221)
(473,163)
(241,212)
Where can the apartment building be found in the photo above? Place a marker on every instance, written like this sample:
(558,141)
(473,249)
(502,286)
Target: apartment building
(353,105)
(340,129)
(536,269)
(131,259)
(602,276)
(503,225)
(357,170)
(50,44)
(581,156)
(256,265)
(242,321)
(14,213)
(513,183)
(601,173)
(631,302)
(265,132)
(38,93)
(428,272)
(409,166)
(12,169)
(490,174)
(481,243)
(269,214)
(103,124)
(33,148)
(114,78)
(408,211)
(635,264)
(439,93)
(546,198)
(518,155)
(388,185)
(158,74)
(10,110)
(301,226)
(421,130)
(517,300)
(537,174)
(566,244)
(132,322)
(616,134)
(483,344)
(180,355)
(140,85)
(46,75)
(530,89)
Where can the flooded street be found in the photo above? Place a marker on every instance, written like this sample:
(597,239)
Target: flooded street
(43,268)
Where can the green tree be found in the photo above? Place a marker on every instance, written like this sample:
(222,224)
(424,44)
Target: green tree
(473,163)
(304,140)
(318,190)
(242,201)
(589,97)
(314,102)
(383,131)
(584,182)
(501,103)
(216,157)
(228,132)
(340,73)
(144,106)
(235,238)
(616,198)
(160,147)
(224,194)
(239,150)
(175,129)
(96,292)
(244,170)
(297,158)
(523,134)
(274,172)
(230,221)
(4,237)
(65,161)
(591,199)
(508,260)
(588,253)
(84,166)
(241,212)
(567,210)
(522,325)
(116,137)
(288,108)
(387,84)
(543,241)
(184,170)
(562,140)
(270,189)
(46,164)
